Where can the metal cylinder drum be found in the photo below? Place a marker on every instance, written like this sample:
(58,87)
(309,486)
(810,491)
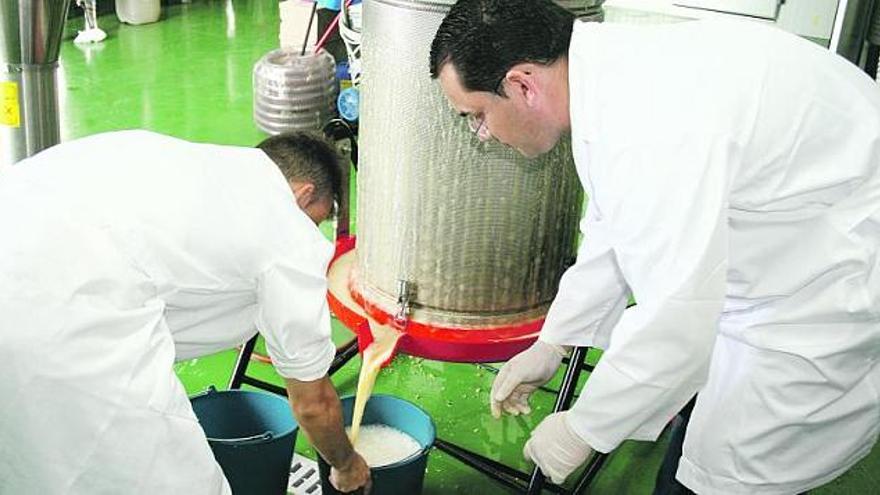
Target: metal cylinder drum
(35,127)
(294,91)
(481,234)
(30,39)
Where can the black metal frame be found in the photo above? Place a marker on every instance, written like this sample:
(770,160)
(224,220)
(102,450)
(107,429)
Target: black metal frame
(239,376)
(534,483)
(529,483)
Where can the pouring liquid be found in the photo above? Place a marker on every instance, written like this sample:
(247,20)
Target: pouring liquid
(379,351)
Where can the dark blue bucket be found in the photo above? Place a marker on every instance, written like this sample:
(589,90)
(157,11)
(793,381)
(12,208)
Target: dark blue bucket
(252,435)
(406,476)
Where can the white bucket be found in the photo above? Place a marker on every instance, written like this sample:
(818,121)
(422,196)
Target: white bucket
(138,11)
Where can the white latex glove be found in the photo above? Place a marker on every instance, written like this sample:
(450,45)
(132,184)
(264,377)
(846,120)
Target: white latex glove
(520,376)
(556,449)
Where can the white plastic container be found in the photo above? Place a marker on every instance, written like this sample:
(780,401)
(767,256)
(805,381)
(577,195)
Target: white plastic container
(138,11)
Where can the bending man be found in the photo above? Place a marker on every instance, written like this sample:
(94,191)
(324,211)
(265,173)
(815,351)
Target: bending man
(125,252)
(732,171)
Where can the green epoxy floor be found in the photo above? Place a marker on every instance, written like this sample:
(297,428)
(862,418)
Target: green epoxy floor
(189,76)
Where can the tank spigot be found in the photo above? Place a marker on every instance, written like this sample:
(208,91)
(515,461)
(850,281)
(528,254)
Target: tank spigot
(404,293)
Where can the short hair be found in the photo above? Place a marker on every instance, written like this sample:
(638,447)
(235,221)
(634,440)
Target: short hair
(307,157)
(484,39)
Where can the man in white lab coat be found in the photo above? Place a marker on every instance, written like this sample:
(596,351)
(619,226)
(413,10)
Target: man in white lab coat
(734,191)
(124,252)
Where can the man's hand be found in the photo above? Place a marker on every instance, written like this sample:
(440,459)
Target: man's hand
(319,413)
(522,375)
(556,449)
(352,476)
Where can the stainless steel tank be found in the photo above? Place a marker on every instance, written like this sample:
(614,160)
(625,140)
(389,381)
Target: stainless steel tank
(482,234)
(30,39)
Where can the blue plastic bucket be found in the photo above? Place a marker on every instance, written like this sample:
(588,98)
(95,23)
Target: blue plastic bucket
(406,476)
(252,435)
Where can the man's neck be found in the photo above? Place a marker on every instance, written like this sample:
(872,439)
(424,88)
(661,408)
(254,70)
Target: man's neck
(558,93)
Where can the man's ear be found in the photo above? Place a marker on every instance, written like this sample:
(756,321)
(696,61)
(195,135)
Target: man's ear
(521,80)
(304,192)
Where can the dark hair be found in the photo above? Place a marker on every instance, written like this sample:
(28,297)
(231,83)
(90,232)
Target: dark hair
(483,39)
(307,157)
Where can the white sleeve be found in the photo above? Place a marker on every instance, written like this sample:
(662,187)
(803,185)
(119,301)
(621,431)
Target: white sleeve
(294,319)
(667,204)
(592,292)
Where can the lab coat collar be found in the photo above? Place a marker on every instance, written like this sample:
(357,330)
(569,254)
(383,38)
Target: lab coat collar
(583,69)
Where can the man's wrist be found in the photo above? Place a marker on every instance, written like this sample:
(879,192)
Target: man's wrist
(560,350)
(347,460)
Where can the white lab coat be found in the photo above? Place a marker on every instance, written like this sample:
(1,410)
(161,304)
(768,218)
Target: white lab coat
(120,254)
(732,171)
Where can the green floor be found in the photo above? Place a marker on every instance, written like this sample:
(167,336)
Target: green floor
(189,76)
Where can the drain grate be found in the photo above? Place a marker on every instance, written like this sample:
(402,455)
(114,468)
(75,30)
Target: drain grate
(304,477)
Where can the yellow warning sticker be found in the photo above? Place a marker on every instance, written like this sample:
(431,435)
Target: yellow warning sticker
(10,112)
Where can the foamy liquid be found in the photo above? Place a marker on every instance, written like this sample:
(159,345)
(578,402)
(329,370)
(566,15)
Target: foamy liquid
(381,445)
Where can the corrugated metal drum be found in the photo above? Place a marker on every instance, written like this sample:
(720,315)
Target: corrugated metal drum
(294,91)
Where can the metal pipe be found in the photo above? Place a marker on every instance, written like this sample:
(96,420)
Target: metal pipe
(589,473)
(344,354)
(505,475)
(563,402)
(241,363)
(30,40)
